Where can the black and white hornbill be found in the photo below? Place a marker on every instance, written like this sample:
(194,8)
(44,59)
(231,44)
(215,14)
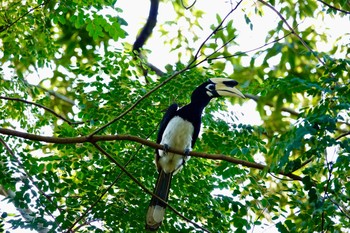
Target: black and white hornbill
(179,129)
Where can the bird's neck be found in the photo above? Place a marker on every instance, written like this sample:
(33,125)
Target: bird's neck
(193,111)
(199,104)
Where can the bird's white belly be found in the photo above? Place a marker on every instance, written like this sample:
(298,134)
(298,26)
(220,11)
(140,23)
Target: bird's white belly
(177,135)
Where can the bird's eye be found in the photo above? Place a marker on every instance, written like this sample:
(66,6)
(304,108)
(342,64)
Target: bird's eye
(210,87)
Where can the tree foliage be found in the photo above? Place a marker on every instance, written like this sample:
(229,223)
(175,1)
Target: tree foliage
(79,109)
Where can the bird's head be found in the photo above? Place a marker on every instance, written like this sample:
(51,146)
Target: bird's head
(216,87)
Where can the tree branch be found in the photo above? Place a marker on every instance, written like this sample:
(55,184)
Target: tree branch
(139,101)
(342,135)
(250,50)
(55,94)
(3,28)
(148,28)
(145,34)
(211,34)
(334,8)
(293,31)
(41,106)
(125,137)
(284,109)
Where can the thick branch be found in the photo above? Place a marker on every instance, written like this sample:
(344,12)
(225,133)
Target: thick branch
(148,28)
(126,137)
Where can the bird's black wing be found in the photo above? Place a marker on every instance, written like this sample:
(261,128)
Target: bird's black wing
(197,127)
(170,113)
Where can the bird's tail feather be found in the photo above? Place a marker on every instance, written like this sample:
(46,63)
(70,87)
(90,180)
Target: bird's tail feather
(156,209)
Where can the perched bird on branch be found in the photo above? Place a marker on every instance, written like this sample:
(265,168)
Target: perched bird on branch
(179,129)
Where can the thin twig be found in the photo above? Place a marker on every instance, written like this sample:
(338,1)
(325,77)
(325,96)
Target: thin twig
(303,164)
(278,178)
(334,8)
(284,109)
(251,50)
(342,135)
(330,169)
(340,207)
(213,33)
(70,229)
(188,7)
(139,101)
(22,16)
(207,58)
(55,94)
(292,30)
(40,106)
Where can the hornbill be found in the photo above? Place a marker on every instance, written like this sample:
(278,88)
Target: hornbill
(179,129)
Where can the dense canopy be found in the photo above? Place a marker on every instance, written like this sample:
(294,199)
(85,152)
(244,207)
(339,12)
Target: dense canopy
(81,100)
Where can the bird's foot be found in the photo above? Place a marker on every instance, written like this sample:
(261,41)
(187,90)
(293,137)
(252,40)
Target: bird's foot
(186,157)
(166,148)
